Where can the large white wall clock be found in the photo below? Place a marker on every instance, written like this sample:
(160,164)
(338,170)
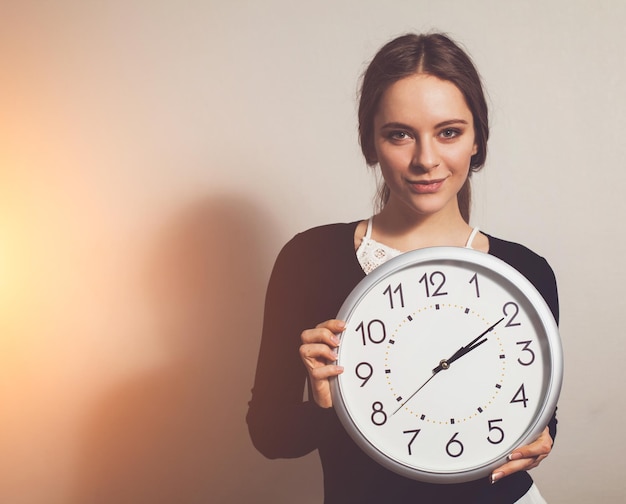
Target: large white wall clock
(452,360)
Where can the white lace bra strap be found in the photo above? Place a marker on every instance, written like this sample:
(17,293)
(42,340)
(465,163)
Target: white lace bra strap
(368,231)
(471,238)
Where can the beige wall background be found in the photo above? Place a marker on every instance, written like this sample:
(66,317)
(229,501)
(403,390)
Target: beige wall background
(156,154)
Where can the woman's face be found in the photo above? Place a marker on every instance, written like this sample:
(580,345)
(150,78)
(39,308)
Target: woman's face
(424,140)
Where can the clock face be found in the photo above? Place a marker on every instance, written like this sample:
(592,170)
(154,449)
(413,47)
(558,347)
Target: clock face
(451,360)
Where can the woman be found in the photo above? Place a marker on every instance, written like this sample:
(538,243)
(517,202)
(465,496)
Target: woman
(423,120)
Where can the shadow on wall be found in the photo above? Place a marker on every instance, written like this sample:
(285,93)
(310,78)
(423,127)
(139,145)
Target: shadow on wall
(177,433)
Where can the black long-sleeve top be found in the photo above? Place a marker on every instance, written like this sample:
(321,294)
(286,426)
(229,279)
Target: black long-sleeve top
(312,276)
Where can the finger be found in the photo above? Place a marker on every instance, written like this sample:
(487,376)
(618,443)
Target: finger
(526,457)
(509,468)
(326,332)
(316,358)
(320,384)
(325,372)
(317,354)
(320,335)
(333,325)
(541,446)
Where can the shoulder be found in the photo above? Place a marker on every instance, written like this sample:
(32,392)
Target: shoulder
(519,256)
(315,271)
(318,246)
(317,240)
(530,264)
(337,230)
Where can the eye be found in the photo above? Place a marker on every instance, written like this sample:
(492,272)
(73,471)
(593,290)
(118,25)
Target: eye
(449,133)
(398,135)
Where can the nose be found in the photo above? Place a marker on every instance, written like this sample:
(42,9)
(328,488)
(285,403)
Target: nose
(425,155)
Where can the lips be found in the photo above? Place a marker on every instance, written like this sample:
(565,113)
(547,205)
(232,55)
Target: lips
(426,186)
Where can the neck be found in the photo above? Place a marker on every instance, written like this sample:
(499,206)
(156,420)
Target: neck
(407,231)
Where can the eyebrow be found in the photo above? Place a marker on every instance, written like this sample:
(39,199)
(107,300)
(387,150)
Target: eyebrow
(442,124)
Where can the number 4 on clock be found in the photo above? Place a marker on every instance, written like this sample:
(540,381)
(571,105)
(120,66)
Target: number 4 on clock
(520,396)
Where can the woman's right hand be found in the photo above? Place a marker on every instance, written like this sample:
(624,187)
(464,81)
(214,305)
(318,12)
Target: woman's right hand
(317,353)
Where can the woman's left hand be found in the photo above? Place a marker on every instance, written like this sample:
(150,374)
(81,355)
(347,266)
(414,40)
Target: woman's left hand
(526,457)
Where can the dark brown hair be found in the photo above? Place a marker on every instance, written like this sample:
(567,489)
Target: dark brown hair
(437,55)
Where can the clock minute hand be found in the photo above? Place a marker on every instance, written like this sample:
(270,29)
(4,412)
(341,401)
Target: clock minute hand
(475,343)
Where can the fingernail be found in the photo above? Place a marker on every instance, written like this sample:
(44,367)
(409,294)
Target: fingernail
(516,456)
(496,476)
(335,339)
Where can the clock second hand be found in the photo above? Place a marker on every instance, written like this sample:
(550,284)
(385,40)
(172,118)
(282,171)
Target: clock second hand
(445,363)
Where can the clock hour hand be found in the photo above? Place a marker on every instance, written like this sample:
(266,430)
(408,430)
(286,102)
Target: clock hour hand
(475,343)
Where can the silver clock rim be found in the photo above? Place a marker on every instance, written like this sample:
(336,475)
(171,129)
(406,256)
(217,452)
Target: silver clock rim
(454,254)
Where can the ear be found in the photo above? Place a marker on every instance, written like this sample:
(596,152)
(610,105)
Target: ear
(372,157)
(474,149)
